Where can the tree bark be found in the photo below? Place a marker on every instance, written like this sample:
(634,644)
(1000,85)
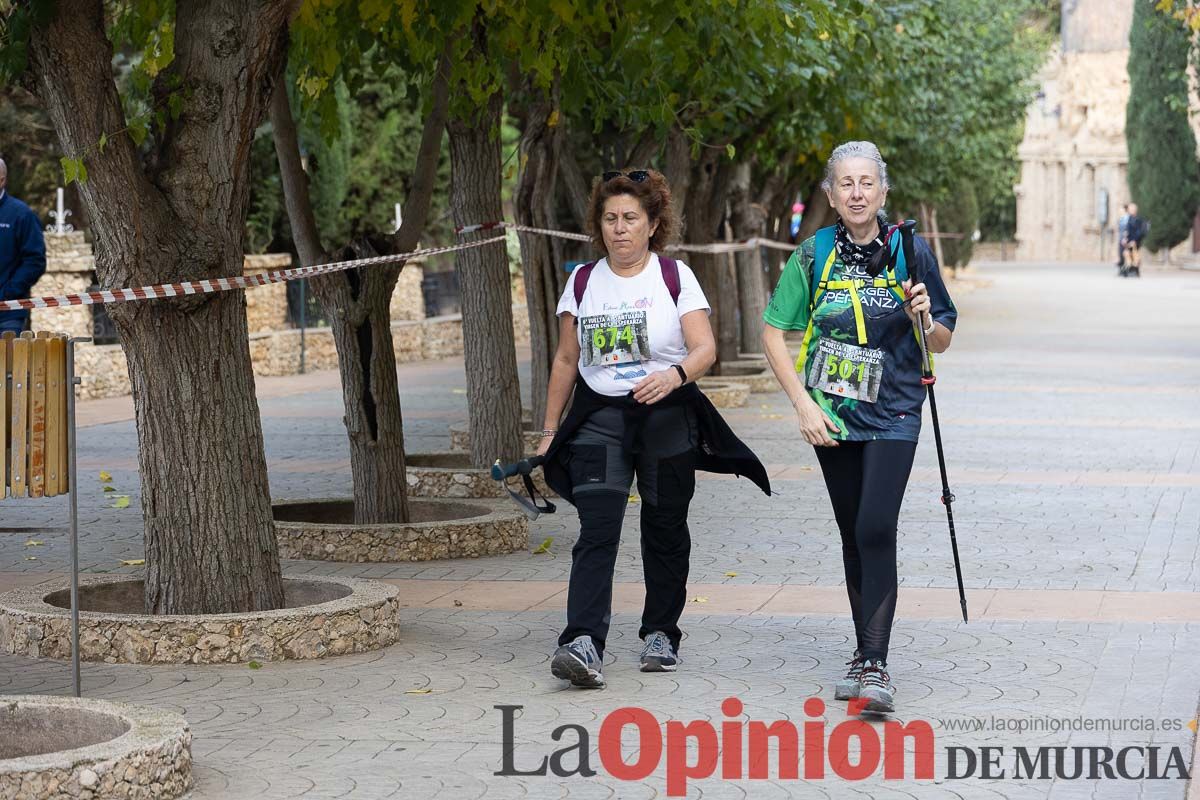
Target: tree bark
(493,391)
(576,184)
(537,181)
(357,303)
(749,220)
(704,211)
(209,535)
(817,214)
(931,214)
(677,168)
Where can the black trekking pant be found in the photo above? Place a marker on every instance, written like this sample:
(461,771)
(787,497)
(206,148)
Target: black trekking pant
(866,482)
(601,474)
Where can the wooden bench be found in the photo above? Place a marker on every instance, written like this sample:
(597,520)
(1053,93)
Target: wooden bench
(37,435)
(35,431)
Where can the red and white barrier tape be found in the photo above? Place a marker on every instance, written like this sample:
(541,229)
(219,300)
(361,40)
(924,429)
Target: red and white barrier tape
(211,285)
(715,247)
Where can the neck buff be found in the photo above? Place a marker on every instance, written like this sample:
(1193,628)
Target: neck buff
(857,255)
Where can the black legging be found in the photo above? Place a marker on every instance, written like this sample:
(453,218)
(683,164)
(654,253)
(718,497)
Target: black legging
(866,482)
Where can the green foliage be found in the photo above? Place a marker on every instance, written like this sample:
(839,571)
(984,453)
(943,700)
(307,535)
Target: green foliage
(29,147)
(960,215)
(266,217)
(1163,176)
(143,34)
(356,176)
(17,20)
(960,113)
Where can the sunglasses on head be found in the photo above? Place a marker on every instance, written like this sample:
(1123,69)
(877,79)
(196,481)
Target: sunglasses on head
(637,175)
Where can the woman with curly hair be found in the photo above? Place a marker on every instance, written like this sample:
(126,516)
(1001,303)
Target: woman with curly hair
(634,336)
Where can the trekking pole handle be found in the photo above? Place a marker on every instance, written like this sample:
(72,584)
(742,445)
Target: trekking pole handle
(522,467)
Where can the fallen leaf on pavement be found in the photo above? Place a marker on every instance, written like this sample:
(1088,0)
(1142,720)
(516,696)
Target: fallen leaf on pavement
(544,547)
(105,477)
(730,574)
(419,691)
(133,562)
(120,501)
(33,543)
(699,599)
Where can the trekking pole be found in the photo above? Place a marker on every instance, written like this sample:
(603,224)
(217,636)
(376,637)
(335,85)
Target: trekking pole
(523,468)
(928,379)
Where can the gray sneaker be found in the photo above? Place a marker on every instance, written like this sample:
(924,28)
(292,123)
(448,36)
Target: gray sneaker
(847,687)
(876,688)
(658,655)
(579,663)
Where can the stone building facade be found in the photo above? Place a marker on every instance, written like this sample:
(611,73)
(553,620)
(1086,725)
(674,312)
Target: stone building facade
(1074,158)
(274,343)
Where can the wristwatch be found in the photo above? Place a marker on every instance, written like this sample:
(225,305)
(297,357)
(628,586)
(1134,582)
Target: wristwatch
(682,374)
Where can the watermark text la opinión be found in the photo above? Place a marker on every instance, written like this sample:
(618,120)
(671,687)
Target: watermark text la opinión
(738,749)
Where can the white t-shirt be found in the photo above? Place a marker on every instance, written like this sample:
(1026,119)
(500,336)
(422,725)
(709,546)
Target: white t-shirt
(629,327)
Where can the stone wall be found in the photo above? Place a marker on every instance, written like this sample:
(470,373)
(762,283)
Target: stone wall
(69,268)
(266,306)
(104,374)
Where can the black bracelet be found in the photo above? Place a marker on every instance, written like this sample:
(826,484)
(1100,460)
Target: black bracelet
(682,374)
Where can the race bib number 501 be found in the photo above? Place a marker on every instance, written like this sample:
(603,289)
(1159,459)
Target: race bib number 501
(609,340)
(846,370)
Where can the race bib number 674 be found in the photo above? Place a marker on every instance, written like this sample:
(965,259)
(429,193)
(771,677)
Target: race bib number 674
(609,340)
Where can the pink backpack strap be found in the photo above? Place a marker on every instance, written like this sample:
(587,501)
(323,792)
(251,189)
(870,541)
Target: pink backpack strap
(580,276)
(670,273)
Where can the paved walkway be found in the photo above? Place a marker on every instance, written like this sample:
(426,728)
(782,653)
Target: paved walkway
(1069,413)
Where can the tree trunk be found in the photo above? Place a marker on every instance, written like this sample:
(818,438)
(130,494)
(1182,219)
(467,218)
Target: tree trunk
(704,211)
(493,391)
(749,220)
(209,535)
(817,214)
(537,181)
(575,183)
(357,304)
(677,168)
(937,237)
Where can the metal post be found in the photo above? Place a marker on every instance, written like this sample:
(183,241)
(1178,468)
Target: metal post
(303,319)
(72,382)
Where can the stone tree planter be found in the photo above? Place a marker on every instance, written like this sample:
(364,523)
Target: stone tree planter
(324,530)
(460,436)
(755,373)
(322,617)
(450,475)
(724,394)
(53,748)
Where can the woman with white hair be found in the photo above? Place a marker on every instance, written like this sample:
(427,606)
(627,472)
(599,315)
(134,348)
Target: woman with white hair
(856,386)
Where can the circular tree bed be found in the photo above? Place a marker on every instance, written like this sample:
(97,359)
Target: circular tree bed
(451,475)
(755,374)
(57,747)
(460,436)
(724,394)
(324,530)
(322,617)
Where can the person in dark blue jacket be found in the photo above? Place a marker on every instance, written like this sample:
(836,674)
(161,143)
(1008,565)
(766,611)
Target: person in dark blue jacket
(22,254)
